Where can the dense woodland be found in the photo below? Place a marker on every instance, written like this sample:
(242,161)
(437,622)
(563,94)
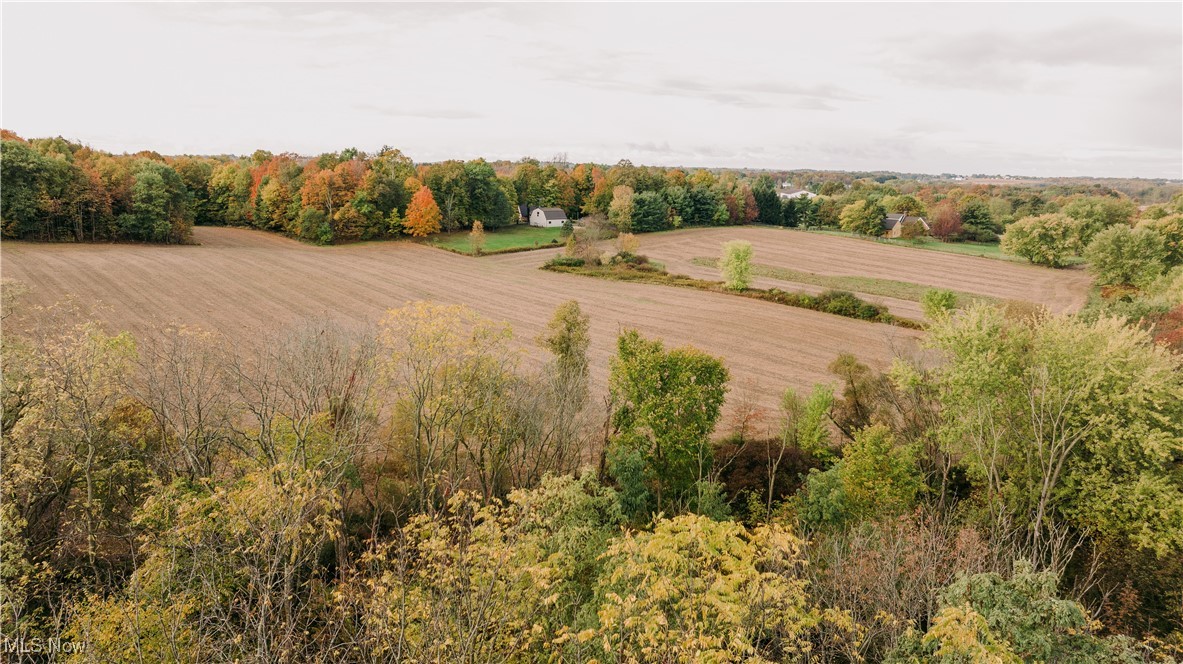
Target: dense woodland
(57,190)
(412,492)
(415,491)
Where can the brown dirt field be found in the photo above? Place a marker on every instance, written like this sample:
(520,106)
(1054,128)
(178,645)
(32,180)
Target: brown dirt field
(241,282)
(1060,290)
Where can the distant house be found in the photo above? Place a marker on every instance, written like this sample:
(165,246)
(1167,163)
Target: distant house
(548,217)
(893,224)
(795,193)
(524,212)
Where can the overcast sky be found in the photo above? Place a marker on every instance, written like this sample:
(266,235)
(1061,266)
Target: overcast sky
(1038,89)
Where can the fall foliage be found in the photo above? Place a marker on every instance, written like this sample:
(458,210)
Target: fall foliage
(414,491)
(423,215)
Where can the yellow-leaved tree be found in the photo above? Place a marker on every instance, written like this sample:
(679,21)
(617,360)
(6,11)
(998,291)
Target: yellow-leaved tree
(696,589)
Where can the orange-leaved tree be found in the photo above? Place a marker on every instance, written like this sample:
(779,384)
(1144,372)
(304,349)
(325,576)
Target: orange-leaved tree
(423,215)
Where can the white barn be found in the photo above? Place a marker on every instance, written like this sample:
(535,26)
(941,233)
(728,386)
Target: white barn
(548,217)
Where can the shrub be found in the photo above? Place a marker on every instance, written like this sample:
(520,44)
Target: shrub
(975,234)
(847,304)
(476,238)
(627,258)
(565,261)
(627,243)
(736,264)
(937,303)
(987,617)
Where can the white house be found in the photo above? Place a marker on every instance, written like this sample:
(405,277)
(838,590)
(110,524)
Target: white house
(795,193)
(548,217)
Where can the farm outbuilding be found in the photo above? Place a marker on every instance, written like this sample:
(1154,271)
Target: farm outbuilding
(893,224)
(548,217)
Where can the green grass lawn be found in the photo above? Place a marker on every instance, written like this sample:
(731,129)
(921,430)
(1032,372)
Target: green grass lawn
(903,290)
(983,249)
(519,237)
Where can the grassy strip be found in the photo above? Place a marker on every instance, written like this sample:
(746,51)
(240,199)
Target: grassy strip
(980,249)
(502,240)
(840,303)
(903,290)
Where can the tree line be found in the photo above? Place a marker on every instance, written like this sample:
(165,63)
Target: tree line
(58,190)
(412,492)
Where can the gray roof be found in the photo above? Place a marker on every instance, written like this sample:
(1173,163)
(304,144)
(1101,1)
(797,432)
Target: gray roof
(551,214)
(890,221)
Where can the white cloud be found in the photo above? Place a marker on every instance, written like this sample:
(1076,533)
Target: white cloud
(1041,89)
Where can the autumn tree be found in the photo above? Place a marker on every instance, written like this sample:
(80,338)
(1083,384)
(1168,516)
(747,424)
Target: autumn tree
(977,221)
(1049,239)
(695,589)
(666,405)
(627,243)
(945,221)
(875,477)
(904,204)
(423,215)
(751,210)
(620,211)
(1170,229)
(1037,424)
(476,238)
(487,581)
(447,364)
(1096,213)
(75,449)
(736,264)
(863,218)
(180,378)
(1121,256)
(233,565)
(803,428)
(229,194)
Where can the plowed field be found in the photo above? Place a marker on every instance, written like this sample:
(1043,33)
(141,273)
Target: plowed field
(241,282)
